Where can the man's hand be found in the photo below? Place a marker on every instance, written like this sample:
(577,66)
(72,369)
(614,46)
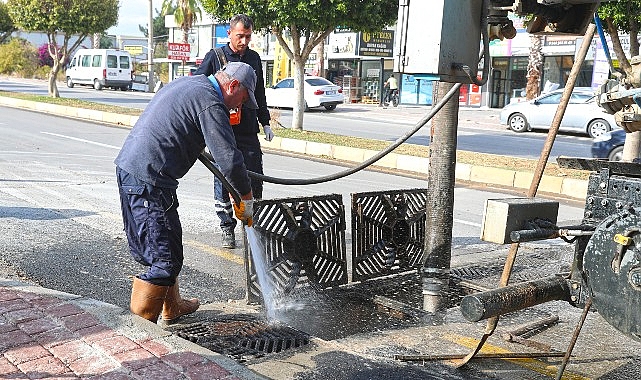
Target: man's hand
(245,211)
(269,135)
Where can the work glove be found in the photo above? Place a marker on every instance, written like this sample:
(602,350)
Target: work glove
(269,135)
(245,211)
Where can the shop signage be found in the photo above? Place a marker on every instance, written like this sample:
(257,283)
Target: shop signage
(133,49)
(376,44)
(178,51)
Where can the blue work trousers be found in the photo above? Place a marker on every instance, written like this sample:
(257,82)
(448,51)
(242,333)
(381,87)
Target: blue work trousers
(253,157)
(152,226)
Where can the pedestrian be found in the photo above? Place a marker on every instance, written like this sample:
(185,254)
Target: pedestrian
(182,118)
(246,128)
(392,87)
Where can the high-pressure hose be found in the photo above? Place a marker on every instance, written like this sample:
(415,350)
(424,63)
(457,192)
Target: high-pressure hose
(366,163)
(208,161)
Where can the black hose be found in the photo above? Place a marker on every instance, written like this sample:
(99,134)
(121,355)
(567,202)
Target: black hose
(208,161)
(366,163)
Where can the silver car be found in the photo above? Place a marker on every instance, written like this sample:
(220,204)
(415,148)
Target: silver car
(582,115)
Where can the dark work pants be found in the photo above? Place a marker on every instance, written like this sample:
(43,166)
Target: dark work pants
(253,157)
(152,226)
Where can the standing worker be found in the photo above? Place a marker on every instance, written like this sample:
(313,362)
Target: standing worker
(246,129)
(392,87)
(181,119)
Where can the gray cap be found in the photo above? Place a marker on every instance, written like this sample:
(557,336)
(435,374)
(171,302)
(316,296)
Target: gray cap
(246,75)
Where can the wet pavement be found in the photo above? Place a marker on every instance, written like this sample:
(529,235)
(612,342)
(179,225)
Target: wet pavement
(360,331)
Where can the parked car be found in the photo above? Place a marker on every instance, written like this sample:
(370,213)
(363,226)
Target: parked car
(609,145)
(582,114)
(141,81)
(318,91)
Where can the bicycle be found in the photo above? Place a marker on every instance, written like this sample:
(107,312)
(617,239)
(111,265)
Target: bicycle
(393,100)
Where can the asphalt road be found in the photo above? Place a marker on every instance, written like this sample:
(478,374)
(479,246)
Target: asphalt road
(478,131)
(61,217)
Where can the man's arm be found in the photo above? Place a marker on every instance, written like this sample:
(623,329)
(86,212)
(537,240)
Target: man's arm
(259,93)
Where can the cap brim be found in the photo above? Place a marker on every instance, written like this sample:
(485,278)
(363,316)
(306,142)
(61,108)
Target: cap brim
(251,102)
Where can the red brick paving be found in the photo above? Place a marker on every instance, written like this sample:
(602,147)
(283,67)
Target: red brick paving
(206,371)
(136,359)
(25,353)
(71,351)
(154,347)
(46,337)
(43,367)
(38,326)
(80,321)
(93,365)
(116,344)
(160,371)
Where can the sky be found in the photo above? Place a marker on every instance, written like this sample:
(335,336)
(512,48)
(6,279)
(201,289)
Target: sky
(131,14)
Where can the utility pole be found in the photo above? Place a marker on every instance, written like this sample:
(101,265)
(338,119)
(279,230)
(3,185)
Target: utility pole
(440,202)
(150,47)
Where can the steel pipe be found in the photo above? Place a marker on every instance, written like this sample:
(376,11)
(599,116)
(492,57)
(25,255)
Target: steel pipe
(500,301)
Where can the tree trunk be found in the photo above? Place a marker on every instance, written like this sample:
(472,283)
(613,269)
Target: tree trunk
(534,68)
(53,74)
(616,46)
(299,83)
(320,56)
(634,31)
(631,146)
(96,40)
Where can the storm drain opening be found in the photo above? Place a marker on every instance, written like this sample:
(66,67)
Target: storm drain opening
(242,336)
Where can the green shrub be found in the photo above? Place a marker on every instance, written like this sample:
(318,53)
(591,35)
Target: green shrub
(18,57)
(42,72)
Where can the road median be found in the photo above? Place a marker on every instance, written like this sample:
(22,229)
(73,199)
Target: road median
(467,173)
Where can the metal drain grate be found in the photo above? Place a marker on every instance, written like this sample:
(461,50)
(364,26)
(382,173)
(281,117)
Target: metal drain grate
(242,337)
(304,243)
(388,230)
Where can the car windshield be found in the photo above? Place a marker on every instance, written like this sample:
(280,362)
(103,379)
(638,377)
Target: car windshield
(318,82)
(577,97)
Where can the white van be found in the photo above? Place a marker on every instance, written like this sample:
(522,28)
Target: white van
(100,68)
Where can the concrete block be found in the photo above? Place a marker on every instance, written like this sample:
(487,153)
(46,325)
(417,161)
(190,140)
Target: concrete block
(523,180)
(318,149)
(502,216)
(274,144)
(348,154)
(90,114)
(387,161)
(551,184)
(495,176)
(463,172)
(413,164)
(297,146)
(575,188)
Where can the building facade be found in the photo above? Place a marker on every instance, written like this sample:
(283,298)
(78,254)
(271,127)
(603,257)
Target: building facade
(361,62)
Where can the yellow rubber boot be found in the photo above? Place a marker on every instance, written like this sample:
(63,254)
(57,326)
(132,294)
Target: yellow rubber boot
(175,307)
(147,299)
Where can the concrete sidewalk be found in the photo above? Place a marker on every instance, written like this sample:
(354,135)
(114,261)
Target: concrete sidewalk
(54,335)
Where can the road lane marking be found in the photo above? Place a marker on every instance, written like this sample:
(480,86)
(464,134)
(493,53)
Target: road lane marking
(222,253)
(531,364)
(82,140)
(473,224)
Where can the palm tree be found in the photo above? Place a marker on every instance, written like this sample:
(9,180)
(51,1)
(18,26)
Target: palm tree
(186,13)
(534,67)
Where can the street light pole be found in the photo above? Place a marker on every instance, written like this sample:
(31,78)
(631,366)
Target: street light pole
(150,49)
